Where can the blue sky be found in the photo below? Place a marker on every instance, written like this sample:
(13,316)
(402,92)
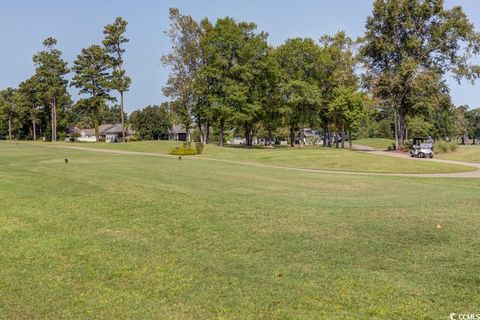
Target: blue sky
(77,24)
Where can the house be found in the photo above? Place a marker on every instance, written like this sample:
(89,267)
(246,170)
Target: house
(87,135)
(113,132)
(176,133)
(106,132)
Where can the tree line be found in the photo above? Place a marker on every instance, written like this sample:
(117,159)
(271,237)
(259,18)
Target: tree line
(42,105)
(225,78)
(390,82)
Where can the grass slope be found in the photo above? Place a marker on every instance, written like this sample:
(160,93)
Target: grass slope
(116,236)
(311,158)
(377,143)
(463,153)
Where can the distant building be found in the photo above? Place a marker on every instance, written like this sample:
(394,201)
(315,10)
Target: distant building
(107,132)
(176,133)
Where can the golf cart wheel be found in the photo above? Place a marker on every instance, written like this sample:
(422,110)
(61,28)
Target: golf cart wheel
(421,155)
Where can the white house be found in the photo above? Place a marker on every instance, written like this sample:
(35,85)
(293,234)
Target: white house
(87,135)
(106,132)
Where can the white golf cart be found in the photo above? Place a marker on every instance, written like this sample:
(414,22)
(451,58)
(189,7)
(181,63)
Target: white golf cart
(422,147)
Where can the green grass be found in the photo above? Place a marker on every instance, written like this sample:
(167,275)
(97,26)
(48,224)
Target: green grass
(463,153)
(377,143)
(122,236)
(310,158)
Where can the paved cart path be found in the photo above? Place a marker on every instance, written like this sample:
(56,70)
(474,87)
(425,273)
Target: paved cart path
(358,148)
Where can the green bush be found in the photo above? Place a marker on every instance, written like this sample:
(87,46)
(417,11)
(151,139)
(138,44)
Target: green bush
(133,139)
(406,146)
(185,150)
(444,147)
(199,147)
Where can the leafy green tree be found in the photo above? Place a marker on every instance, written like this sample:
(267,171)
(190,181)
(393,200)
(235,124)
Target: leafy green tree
(343,105)
(271,115)
(8,108)
(299,61)
(29,100)
(113,42)
(232,62)
(348,109)
(50,72)
(151,122)
(93,78)
(461,123)
(407,39)
(419,126)
(112,114)
(184,60)
(473,129)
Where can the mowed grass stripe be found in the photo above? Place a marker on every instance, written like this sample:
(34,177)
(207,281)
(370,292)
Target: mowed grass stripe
(316,158)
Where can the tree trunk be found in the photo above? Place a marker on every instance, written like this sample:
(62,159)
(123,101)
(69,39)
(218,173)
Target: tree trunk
(292,137)
(329,139)
(325,137)
(248,142)
(270,137)
(401,131)
(187,129)
(97,133)
(302,137)
(220,138)
(395,122)
(336,140)
(207,136)
(202,133)
(124,131)
(34,126)
(96,125)
(54,118)
(10,126)
(343,136)
(350,139)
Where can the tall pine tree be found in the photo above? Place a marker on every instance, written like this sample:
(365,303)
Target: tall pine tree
(93,78)
(113,42)
(51,71)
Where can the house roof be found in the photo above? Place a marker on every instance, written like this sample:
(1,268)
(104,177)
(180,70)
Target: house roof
(72,130)
(110,128)
(107,129)
(88,132)
(176,128)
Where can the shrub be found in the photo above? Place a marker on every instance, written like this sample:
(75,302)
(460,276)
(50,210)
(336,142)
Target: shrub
(444,147)
(133,139)
(441,147)
(199,147)
(185,150)
(406,146)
